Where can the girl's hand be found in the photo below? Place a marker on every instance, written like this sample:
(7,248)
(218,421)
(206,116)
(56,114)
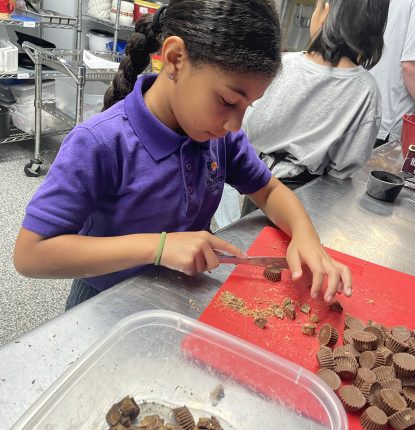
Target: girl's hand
(306,250)
(193,252)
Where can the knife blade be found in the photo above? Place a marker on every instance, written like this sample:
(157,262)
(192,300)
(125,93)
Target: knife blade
(279,262)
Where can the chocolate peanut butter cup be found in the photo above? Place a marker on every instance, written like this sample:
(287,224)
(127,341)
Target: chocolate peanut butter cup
(411,346)
(325,358)
(374,394)
(309,329)
(364,340)
(371,359)
(351,322)
(393,384)
(402,420)
(328,335)
(378,333)
(409,395)
(346,350)
(347,336)
(352,398)
(331,378)
(184,417)
(364,375)
(408,382)
(390,401)
(374,418)
(346,367)
(386,354)
(272,273)
(401,333)
(404,364)
(384,372)
(395,345)
(290,312)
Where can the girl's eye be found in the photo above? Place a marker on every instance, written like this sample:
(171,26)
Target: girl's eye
(225,103)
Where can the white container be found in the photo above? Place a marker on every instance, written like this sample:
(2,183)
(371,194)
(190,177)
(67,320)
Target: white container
(8,57)
(126,13)
(25,93)
(164,359)
(66,96)
(98,39)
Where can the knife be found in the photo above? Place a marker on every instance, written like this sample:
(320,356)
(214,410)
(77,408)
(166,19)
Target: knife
(278,262)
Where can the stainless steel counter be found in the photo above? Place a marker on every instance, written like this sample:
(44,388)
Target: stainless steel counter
(347,219)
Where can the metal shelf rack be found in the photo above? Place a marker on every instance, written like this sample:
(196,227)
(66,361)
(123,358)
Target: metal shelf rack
(17,135)
(68,62)
(116,27)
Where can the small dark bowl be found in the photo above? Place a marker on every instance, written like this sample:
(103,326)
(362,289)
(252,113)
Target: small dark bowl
(384,185)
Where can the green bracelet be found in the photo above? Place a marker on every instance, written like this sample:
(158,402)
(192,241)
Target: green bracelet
(160,248)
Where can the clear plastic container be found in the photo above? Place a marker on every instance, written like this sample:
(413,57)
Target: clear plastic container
(66,96)
(23,118)
(164,359)
(25,93)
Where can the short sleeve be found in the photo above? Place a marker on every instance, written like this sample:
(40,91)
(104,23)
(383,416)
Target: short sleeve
(408,52)
(77,179)
(245,171)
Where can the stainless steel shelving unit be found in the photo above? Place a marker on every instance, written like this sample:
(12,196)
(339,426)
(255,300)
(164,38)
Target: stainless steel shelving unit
(17,135)
(56,21)
(62,62)
(68,62)
(116,27)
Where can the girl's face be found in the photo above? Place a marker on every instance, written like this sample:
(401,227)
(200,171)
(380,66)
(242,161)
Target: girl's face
(208,102)
(319,16)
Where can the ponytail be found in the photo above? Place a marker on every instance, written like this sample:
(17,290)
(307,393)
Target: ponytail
(144,41)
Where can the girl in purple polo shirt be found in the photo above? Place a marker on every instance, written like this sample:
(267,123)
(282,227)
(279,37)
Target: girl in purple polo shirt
(156,159)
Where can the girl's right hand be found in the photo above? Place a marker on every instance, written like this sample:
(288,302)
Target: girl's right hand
(193,252)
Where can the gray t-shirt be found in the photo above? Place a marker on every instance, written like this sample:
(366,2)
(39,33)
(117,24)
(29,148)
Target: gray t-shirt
(399,46)
(325,118)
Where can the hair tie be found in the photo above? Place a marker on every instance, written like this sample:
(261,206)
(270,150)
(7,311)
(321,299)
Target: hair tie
(158,19)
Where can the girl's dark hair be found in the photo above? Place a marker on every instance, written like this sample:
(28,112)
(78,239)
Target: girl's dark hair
(235,35)
(353,29)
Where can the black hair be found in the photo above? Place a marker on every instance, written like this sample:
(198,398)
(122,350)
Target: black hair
(238,36)
(353,29)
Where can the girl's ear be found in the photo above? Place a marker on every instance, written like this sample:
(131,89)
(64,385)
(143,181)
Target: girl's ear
(174,54)
(325,12)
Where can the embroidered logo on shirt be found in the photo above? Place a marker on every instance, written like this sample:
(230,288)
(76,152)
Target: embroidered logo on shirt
(213,180)
(212,166)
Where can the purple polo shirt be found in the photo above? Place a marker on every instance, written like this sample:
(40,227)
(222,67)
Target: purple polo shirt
(124,172)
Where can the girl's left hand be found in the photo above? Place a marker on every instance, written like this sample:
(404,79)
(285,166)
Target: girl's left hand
(308,250)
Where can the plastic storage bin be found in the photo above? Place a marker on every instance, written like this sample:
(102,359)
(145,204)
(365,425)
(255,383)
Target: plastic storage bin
(165,359)
(66,96)
(25,94)
(23,118)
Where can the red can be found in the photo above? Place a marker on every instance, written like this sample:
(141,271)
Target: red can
(408,133)
(142,7)
(409,163)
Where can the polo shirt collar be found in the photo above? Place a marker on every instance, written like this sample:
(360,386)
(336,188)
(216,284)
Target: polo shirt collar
(159,140)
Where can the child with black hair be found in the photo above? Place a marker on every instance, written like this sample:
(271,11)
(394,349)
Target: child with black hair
(322,112)
(156,159)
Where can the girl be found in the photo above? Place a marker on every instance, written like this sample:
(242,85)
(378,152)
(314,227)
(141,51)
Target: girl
(157,158)
(322,113)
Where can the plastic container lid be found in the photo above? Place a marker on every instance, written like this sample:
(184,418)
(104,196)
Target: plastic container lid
(164,359)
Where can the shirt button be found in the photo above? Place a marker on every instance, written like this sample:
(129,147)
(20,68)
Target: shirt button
(188,167)
(190,190)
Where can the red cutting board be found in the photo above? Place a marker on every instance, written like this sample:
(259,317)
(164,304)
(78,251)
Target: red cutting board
(379,294)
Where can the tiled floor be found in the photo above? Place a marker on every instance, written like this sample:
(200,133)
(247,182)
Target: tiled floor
(24,303)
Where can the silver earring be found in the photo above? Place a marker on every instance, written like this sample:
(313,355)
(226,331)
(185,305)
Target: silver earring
(171,76)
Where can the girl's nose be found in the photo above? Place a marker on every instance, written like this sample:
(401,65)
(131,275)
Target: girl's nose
(233,122)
